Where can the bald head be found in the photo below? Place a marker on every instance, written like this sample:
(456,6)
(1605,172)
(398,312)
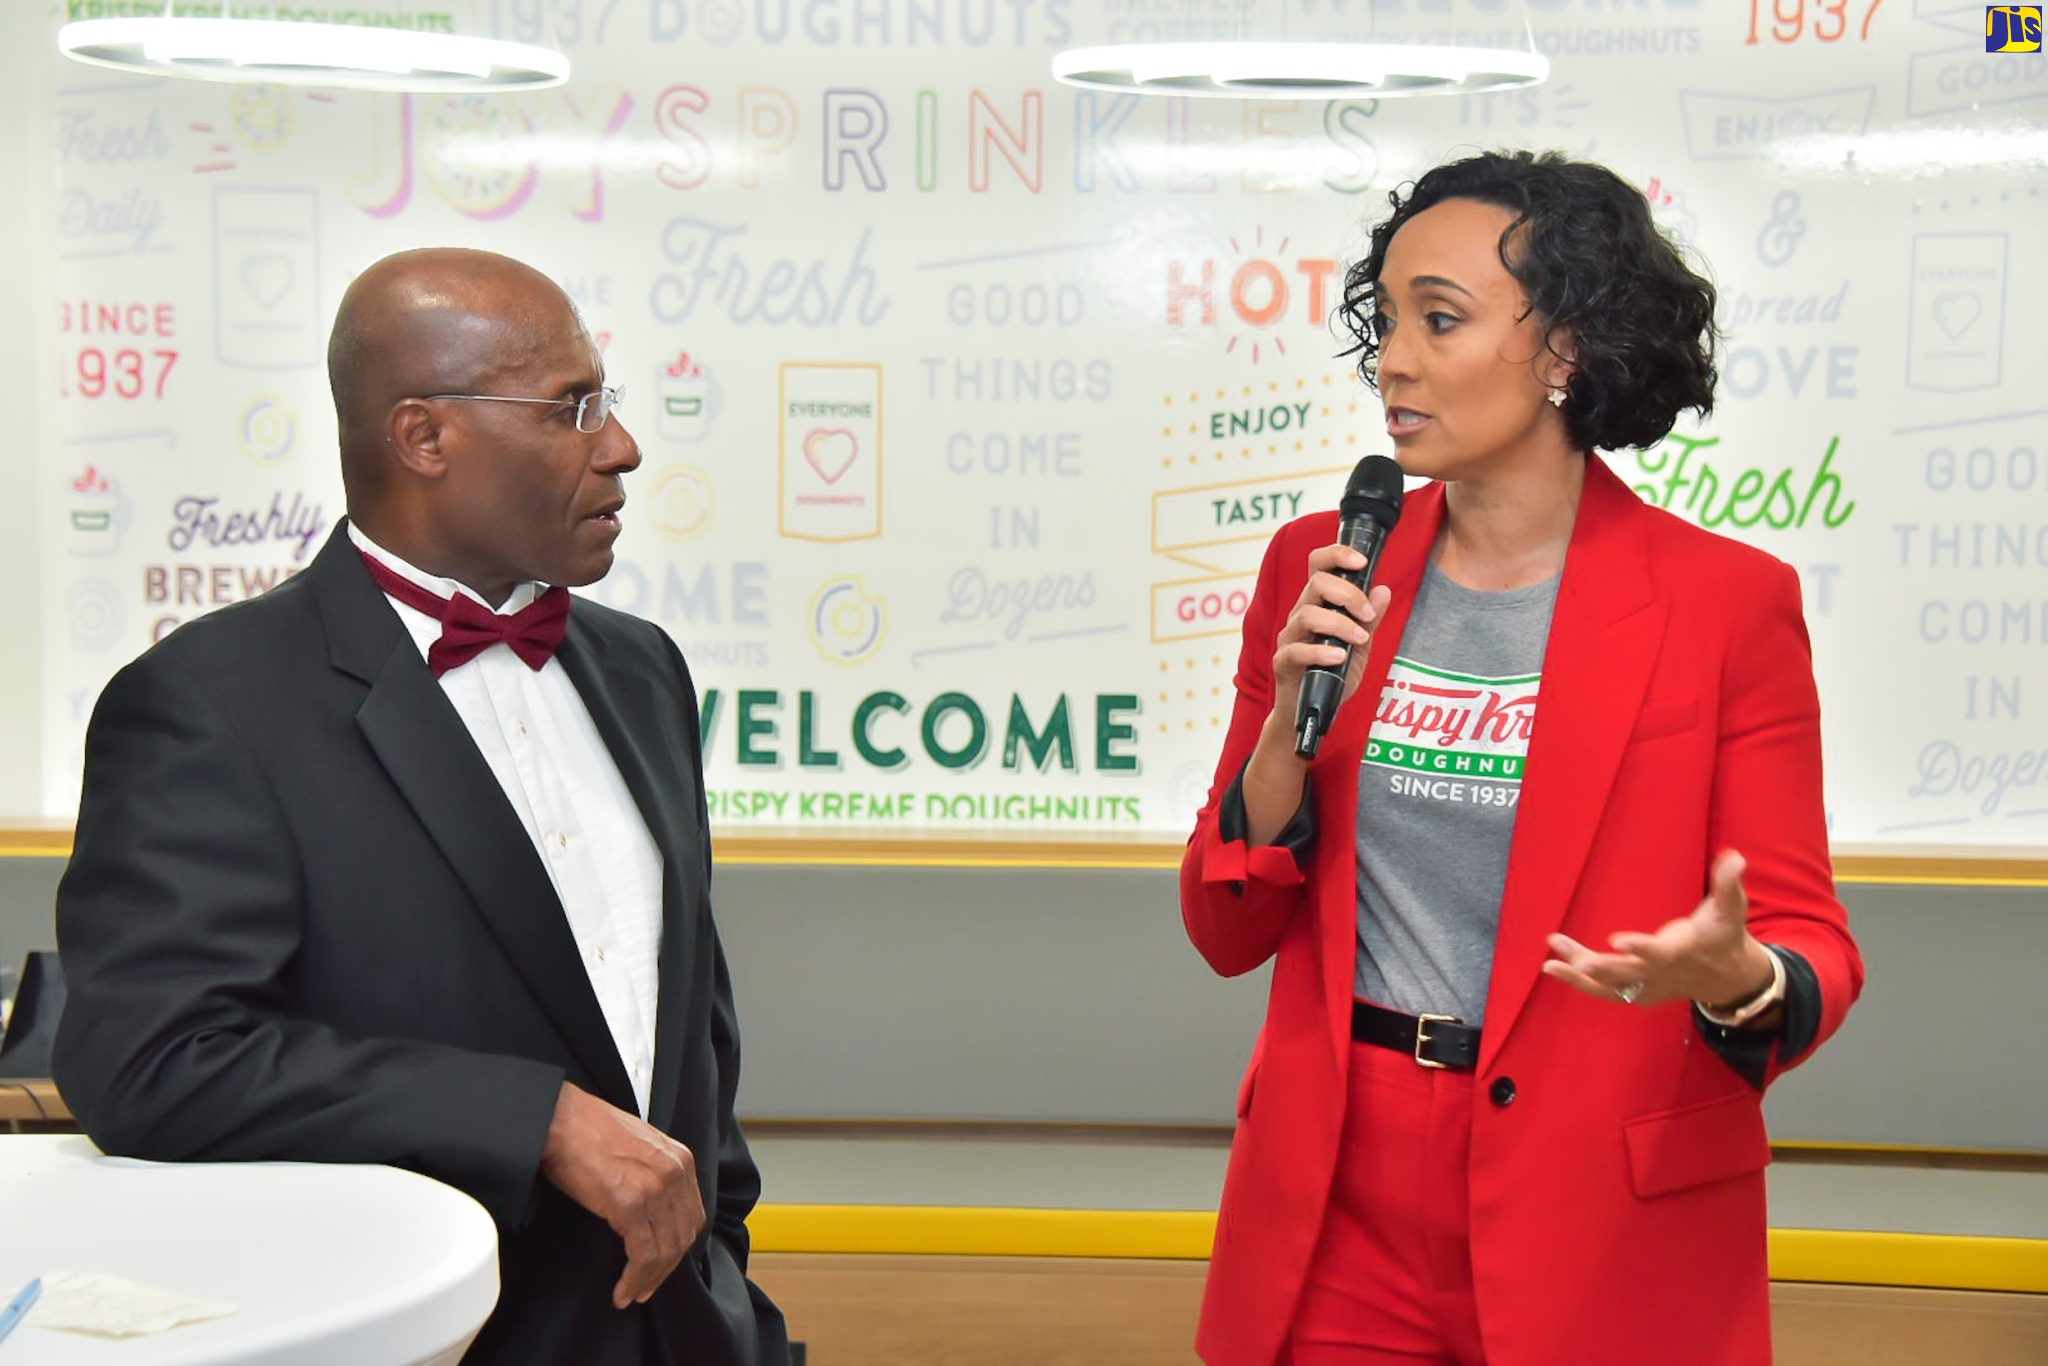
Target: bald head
(461,380)
(435,321)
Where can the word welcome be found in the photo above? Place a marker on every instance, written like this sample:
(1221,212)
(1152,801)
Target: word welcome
(952,730)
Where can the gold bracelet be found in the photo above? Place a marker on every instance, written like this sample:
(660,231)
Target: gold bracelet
(1757,1005)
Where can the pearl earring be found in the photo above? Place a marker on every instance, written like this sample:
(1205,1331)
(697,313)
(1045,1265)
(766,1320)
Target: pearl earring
(1557,398)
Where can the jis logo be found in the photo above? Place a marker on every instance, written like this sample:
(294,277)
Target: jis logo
(2012,28)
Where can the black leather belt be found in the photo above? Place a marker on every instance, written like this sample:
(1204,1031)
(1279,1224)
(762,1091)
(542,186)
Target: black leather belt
(1432,1040)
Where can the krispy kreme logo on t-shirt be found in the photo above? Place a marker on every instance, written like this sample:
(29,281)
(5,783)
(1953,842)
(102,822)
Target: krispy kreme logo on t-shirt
(1466,734)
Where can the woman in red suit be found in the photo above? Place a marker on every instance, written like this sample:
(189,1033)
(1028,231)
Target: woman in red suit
(1533,965)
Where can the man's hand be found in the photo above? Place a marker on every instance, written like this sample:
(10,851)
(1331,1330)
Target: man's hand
(634,1177)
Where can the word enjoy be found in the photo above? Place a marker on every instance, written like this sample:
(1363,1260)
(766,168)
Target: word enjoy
(1258,421)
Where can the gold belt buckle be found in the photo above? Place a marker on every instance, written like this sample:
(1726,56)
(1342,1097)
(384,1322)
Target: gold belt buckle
(1423,1036)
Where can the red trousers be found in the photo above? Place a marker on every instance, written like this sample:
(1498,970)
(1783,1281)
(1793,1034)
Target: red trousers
(1391,1278)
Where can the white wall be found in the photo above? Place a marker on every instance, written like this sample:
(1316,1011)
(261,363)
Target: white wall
(1086,445)
(24,300)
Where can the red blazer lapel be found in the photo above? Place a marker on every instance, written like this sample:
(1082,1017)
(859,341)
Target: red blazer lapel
(1604,640)
(1400,569)
(1336,770)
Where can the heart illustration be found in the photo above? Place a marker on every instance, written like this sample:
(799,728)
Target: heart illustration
(1956,312)
(830,451)
(267,276)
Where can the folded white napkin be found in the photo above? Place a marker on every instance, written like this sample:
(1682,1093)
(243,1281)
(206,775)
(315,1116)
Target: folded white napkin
(109,1307)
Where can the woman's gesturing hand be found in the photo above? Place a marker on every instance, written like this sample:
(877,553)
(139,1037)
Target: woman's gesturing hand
(1708,956)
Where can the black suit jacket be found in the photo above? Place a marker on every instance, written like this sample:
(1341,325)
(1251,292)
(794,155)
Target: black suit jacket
(301,921)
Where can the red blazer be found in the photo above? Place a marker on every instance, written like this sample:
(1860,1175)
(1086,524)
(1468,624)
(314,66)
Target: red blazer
(1618,1202)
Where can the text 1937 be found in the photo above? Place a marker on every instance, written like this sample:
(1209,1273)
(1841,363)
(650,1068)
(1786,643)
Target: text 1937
(126,373)
(1825,21)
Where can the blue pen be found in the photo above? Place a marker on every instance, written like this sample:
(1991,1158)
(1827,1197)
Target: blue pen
(18,1306)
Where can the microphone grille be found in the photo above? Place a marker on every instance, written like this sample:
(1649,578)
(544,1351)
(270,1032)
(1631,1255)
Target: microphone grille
(1374,489)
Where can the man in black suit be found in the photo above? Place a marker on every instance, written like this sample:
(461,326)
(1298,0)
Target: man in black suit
(407,861)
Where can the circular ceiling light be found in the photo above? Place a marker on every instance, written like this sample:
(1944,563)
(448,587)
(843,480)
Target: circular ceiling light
(273,51)
(1293,71)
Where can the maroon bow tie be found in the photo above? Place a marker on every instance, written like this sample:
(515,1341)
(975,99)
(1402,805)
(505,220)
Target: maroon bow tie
(468,628)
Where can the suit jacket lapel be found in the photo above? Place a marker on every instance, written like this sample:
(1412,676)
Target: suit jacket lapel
(1400,568)
(423,745)
(629,711)
(1604,639)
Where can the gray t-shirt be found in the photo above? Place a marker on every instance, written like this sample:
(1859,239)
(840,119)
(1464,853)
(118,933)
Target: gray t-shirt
(1437,793)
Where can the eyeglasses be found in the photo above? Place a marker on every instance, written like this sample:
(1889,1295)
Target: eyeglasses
(593,410)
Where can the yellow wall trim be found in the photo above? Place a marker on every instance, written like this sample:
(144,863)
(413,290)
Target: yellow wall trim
(842,849)
(922,1230)
(1933,1261)
(35,840)
(1929,1260)
(1909,1154)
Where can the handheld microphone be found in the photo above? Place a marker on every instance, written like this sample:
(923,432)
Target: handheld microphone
(1370,507)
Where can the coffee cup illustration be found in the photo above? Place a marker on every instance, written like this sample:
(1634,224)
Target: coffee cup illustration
(97,515)
(689,399)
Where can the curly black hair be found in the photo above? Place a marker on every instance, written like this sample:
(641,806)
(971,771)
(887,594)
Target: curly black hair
(1585,250)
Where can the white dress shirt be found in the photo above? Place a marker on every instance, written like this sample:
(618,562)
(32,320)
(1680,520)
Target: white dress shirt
(537,736)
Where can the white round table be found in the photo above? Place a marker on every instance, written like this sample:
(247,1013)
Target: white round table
(329,1264)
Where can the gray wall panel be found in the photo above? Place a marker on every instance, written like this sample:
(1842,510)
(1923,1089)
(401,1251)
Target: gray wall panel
(1943,1049)
(1073,995)
(1004,994)
(28,887)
